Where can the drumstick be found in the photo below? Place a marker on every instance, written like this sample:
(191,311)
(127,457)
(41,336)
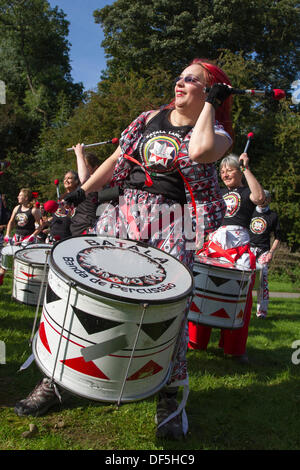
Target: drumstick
(56,182)
(249,137)
(115,140)
(277,94)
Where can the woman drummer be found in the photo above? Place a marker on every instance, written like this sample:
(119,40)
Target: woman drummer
(25,219)
(61,219)
(165,158)
(233,235)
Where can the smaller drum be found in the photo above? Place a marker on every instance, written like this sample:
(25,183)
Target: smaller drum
(7,256)
(30,274)
(38,245)
(221,291)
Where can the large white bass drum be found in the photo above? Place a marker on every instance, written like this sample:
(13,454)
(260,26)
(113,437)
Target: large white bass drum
(111,319)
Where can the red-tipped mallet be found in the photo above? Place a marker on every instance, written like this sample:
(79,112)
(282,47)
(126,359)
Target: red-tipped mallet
(56,182)
(275,94)
(51,206)
(249,137)
(114,141)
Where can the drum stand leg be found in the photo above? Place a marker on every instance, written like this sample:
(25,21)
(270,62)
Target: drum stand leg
(132,352)
(39,298)
(71,284)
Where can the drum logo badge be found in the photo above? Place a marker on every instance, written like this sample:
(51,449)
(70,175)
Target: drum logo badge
(233,203)
(97,261)
(258,225)
(121,265)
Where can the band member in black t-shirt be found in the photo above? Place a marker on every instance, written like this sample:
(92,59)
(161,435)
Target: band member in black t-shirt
(233,235)
(25,219)
(58,225)
(264,222)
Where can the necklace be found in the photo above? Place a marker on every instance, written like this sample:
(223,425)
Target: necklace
(176,122)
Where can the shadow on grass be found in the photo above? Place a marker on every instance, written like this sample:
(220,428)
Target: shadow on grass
(252,417)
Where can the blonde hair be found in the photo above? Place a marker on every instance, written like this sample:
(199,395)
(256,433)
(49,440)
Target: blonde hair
(28,193)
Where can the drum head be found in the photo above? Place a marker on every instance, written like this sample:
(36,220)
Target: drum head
(122,269)
(11,250)
(32,255)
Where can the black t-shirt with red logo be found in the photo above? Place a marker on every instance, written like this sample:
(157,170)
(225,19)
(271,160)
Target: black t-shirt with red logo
(239,206)
(157,152)
(262,225)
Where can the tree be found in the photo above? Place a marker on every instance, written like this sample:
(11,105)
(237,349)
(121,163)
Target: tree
(102,116)
(34,55)
(165,34)
(35,66)
(255,42)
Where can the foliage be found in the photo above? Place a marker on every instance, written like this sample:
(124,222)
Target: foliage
(170,34)
(285,177)
(103,116)
(35,66)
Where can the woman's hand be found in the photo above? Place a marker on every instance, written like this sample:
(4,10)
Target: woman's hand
(218,93)
(79,149)
(244,160)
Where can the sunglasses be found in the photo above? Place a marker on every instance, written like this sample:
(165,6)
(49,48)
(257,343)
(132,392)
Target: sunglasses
(188,79)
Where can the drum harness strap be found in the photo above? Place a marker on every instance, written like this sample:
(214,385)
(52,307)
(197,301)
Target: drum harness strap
(29,361)
(43,283)
(181,407)
(149,182)
(53,384)
(232,254)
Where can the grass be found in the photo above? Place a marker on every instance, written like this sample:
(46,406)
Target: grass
(277,285)
(230,406)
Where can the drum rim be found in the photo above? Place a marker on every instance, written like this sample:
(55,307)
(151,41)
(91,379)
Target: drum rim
(177,298)
(37,245)
(29,262)
(221,267)
(10,246)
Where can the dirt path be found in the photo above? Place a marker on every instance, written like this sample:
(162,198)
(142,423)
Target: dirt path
(282,295)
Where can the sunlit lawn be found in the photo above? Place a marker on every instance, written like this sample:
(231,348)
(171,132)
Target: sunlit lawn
(231,406)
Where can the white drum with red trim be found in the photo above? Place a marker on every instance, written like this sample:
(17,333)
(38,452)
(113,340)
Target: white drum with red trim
(30,274)
(111,318)
(7,256)
(221,291)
